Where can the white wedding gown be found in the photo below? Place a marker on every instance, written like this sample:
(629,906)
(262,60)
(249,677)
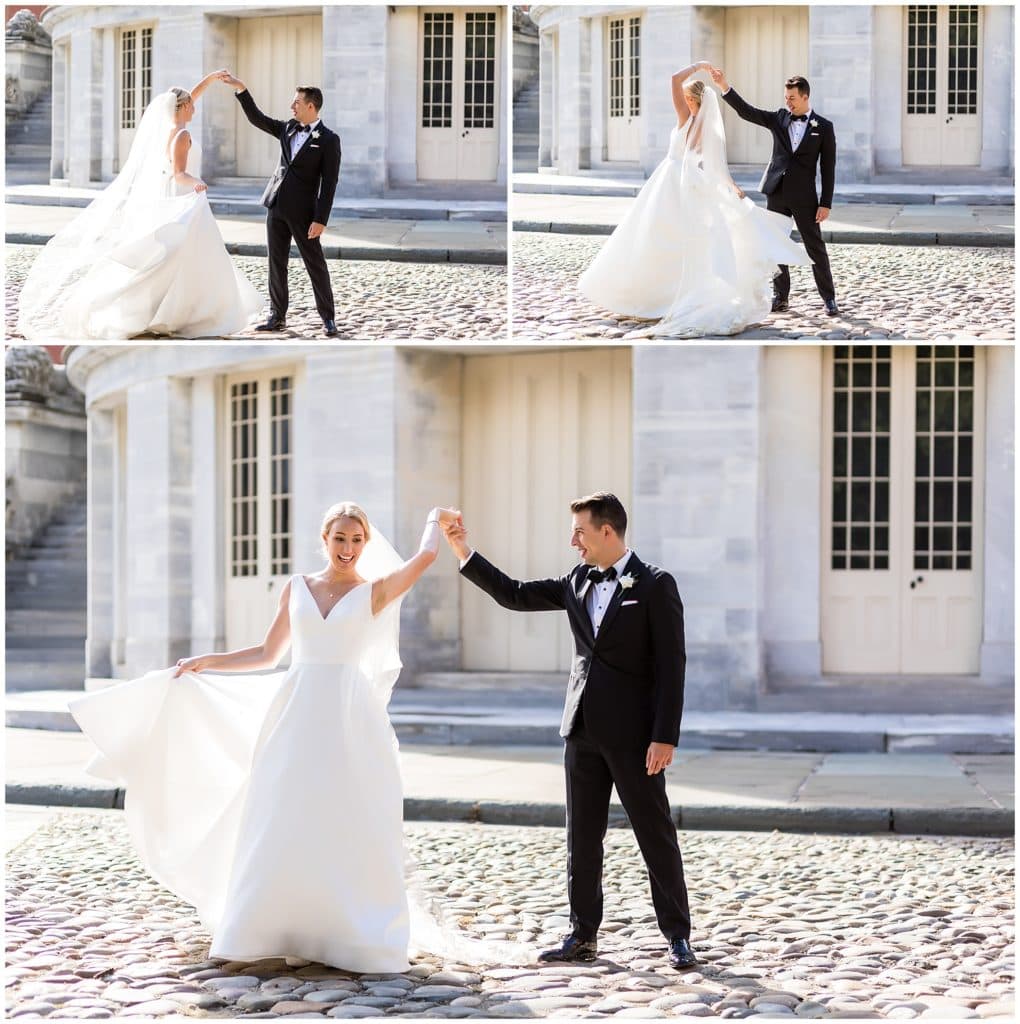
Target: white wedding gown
(273,804)
(146,256)
(689,249)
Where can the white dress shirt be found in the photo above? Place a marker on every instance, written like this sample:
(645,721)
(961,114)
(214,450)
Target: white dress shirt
(600,594)
(299,138)
(798,129)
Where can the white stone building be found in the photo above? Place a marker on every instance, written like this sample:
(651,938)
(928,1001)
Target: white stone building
(916,92)
(416,93)
(832,515)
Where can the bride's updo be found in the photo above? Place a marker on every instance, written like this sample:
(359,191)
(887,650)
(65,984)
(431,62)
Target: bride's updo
(183,96)
(695,89)
(339,511)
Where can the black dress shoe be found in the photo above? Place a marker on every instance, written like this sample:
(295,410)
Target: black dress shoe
(274,323)
(329,328)
(681,956)
(780,305)
(572,950)
(831,308)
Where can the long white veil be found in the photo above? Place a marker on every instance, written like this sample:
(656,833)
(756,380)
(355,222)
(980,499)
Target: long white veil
(434,929)
(128,209)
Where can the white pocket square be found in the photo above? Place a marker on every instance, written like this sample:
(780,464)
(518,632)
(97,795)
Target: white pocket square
(815,134)
(623,604)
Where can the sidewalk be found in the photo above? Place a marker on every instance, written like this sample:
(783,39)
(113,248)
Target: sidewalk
(423,240)
(523,785)
(850,223)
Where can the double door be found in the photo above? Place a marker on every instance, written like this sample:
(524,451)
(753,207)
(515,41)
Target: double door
(459,94)
(903,509)
(134,84)
(623,46)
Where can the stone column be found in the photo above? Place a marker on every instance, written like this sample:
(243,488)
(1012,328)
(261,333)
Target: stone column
(574,95)
(84,146)
(546,119)
(348,397)
(355,92)
(792,487)
(696,506)
(219,132)
(402,74)
(998,642)
(58,142)
(101,489)
(158,524)
(109,157)
(996,97)
(841,62)
(666,39)
(427,462)
(208,485)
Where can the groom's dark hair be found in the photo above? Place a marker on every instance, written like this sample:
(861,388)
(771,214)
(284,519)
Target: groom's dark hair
(312,95)
(800,83)
(603,508)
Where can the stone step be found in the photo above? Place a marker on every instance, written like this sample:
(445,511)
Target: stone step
(25,678)
(45,622)
(48,655)
(36,642)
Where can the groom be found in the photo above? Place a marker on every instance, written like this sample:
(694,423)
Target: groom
(299,198)
(801,140)
(621,722)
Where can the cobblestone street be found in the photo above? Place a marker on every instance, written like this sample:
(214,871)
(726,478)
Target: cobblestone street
(376,300)
(785,925)
(884,291)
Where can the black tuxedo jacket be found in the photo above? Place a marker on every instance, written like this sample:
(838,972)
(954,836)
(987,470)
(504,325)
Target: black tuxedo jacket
(302,188)
(799,166)
(631,676)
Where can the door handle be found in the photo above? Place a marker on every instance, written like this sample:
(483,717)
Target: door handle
(463,133)
(270,584)
(914,582)
(948,119)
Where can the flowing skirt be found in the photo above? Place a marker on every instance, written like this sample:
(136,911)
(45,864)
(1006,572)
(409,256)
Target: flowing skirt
(272,804)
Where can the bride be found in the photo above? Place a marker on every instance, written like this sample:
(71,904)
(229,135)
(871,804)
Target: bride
(692,250)
(146,256)
(273,804)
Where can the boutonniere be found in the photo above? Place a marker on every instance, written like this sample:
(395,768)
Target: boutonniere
(813,123)
(315,134)
(627,581)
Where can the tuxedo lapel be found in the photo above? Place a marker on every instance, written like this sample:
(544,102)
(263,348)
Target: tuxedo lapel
(786,130)
(617,599)
(580,590)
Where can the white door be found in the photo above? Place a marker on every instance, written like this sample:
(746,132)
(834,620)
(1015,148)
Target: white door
(941,88)
(764,46)
(623,88)
(458,86)
(538,431)
(259,434)
(274,56)
(134,78)
(901,582)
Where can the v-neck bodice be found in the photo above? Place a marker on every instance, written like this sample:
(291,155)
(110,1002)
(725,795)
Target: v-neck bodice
(336,638)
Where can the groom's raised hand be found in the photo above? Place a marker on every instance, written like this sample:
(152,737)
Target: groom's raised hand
(456,537)
(719,78)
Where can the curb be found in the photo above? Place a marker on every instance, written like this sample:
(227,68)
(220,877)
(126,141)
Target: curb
(992,822)
(982,239)
(382,253)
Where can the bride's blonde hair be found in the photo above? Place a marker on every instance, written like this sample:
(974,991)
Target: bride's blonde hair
(695,89)
(183,96)
(339,511)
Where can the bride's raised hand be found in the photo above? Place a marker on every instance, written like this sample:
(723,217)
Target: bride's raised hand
(448,516)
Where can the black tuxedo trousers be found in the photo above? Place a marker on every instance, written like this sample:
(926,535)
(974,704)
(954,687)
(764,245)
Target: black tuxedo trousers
(592,770)
(282,226)
(803,214)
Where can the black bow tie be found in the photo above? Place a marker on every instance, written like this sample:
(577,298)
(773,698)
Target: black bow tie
(303,129)
(798,117)
(598,576)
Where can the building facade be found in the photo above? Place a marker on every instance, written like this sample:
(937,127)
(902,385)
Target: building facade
(830,514)
(914,91)
(416,93)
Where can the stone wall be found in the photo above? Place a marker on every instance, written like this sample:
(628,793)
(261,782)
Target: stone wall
(29,61)
(45,444)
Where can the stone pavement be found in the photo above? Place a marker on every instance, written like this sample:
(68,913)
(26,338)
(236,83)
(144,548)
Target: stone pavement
(849,792)
(387,301)
(417,241)
(913,293)
(856,223)
(810,927)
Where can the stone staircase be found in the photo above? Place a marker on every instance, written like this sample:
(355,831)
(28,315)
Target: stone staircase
(28,144)
(526,127)
(46,597)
